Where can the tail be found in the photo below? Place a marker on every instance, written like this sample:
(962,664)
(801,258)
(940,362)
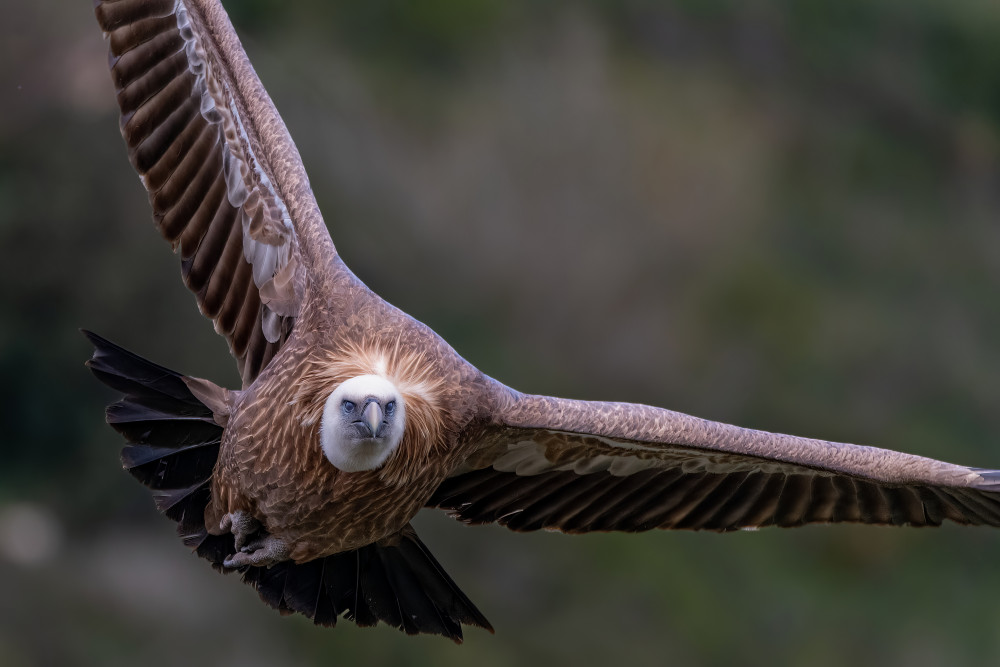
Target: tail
(173,441)
(396,581)
(173,444)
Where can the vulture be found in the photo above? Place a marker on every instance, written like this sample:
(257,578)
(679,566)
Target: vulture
(352,416)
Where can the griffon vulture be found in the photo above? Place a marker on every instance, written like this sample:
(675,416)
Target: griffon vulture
(352,416)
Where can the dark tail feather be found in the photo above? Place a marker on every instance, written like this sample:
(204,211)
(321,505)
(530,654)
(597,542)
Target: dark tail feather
(173,440)
(173,444)
(396,581)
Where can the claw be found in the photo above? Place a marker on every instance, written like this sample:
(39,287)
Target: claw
(254,546)
(264,552)
(242,526)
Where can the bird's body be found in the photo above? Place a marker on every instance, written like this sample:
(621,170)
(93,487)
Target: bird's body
(327,511)
(352,416)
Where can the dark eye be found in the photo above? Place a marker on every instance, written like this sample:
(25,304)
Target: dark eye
(390,407)
(348,407)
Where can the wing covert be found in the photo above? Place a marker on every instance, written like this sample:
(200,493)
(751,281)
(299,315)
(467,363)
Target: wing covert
(224,179)
(578,466)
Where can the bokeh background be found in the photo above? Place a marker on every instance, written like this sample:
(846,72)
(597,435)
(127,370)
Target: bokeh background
(778,214)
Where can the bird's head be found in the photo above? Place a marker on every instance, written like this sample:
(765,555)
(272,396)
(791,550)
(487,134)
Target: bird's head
(363,423)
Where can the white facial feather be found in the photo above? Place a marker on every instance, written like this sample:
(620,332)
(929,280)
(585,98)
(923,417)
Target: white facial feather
(343,446)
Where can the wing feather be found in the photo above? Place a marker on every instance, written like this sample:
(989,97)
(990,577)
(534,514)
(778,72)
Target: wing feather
(577,467)
(611,494)
(704,512)
(224,179)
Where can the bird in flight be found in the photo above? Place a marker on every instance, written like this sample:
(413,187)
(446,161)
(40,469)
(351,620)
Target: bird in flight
(352,416)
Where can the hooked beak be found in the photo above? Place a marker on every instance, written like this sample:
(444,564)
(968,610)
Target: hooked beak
(372,417)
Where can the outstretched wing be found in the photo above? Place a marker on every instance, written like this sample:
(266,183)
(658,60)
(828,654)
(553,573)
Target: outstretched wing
(226,183)
(578,466)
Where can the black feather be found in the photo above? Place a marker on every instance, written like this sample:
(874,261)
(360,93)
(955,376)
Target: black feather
(129,373)
(376,591)
(177,469)
(417,610)
(173,441)
(303,585)
(397,582)
(440,588)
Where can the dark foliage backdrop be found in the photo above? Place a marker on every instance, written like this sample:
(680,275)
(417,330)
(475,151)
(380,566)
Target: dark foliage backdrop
(779,214)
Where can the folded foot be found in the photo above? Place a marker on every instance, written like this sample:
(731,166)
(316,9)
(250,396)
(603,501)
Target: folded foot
(243,527)
(263,552)
(254,546)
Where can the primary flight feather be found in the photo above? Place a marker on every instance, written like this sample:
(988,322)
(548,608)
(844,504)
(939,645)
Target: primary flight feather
(352,416)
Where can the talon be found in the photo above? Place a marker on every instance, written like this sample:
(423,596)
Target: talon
(235,561)
(261,553)
(242,526)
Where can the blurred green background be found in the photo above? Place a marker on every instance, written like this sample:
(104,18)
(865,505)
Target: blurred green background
(777,214)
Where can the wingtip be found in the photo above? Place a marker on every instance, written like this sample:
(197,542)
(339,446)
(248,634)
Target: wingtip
(990,479)
(101,346)
(95,340)
(485,625)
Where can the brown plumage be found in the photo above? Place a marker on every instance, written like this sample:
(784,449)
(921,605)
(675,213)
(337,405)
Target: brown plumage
(248,474)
